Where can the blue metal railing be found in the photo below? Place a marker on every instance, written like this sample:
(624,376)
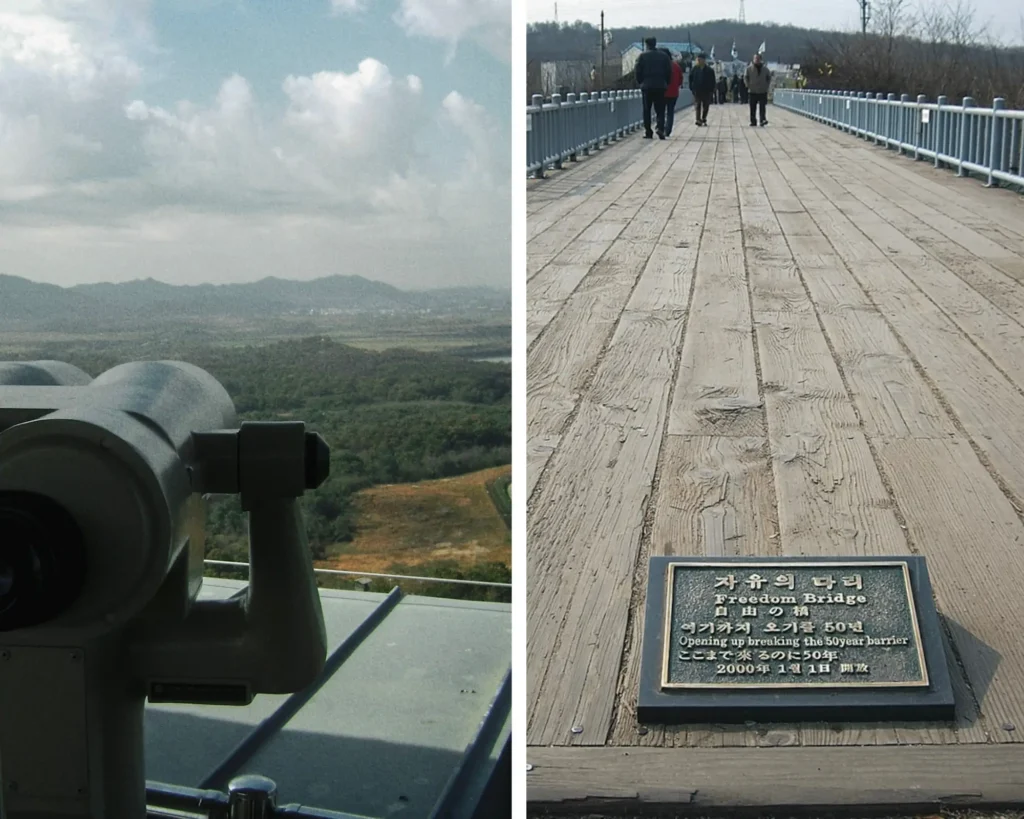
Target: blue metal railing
(565,129)
(984,141)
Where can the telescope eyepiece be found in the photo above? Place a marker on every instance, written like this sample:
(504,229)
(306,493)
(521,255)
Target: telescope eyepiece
(42,560)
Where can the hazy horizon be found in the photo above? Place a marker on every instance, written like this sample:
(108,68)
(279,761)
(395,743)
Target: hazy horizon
(312,278)
(218,141)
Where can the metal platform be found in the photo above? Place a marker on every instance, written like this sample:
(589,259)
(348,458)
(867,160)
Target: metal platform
(411,718)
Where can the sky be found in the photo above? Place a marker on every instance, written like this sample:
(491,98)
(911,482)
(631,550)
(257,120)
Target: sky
(1003,17)
(229,140)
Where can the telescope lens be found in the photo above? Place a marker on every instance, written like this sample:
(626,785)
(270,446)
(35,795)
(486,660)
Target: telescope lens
(42,560)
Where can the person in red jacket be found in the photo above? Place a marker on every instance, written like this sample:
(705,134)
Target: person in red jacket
(672,94)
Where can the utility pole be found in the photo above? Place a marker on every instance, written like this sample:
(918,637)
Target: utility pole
(865,15)
(604,45)
(743,12)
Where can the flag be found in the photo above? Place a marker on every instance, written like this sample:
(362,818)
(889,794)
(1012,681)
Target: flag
(712,54)
(734,54)
(761,50)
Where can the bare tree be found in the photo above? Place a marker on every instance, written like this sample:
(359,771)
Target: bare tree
(934,48)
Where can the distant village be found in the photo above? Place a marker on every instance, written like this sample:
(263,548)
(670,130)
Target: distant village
(613,70)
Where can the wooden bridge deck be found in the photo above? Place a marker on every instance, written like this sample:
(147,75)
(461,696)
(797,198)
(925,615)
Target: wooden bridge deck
(771,341)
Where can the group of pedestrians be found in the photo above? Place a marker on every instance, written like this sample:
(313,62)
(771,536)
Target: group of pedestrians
(660,77)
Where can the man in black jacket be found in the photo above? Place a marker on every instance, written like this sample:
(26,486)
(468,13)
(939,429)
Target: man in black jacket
(653,74)
(702,84)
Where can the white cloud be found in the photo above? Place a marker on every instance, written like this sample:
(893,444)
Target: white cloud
(62,82)
(99,183)
(348,6)
(488,22)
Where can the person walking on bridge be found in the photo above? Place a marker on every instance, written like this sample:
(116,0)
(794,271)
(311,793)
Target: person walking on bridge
(702,84)
(759,80)
(672,94)
(653,75)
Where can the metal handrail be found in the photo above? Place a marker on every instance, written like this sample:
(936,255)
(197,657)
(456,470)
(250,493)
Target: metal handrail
(563,130)
(985,141)
(164,801)
(491,583)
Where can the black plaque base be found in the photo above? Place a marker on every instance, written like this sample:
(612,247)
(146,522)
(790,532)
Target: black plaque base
(699,699)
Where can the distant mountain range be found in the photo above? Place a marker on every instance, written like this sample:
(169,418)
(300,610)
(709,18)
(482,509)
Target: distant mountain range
(25,303)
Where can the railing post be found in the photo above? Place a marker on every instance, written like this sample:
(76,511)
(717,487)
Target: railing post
(1016,145)
(559,129)
(571,121)
(889,109)
(252,797)
(540,125)
(602,111)
(584,115)
(904,99)
(919,135)
(995,151)
(964,135)
(939,143)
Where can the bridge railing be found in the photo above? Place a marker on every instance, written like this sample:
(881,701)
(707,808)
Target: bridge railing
(984,141)
(563,130)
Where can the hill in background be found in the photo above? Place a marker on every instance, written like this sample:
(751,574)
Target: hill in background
(785,43)
(27,305)
(578,41)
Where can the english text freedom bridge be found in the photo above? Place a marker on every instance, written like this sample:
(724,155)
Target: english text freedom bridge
(792,340)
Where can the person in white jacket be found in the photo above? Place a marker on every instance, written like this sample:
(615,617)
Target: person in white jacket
(759,81)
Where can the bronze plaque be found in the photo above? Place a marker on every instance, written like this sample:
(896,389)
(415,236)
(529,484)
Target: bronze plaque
(808,624)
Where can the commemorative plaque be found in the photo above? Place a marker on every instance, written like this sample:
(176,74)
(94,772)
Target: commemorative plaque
(792,639)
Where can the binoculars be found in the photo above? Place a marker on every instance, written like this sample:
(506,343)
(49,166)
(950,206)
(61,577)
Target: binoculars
(102,493)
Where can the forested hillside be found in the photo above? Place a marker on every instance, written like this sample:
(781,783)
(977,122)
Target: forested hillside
(579,41)
(390,417)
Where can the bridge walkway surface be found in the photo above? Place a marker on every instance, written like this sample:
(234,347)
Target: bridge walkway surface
(770,341)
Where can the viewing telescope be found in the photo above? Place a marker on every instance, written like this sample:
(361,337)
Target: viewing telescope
(102,485)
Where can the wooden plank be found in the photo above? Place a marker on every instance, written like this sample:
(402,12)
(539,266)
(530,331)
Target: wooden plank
(831,497)
(550,199)
(891,399)
(987,405)
(807,781)
(991,329)
(998,286)
(547,293)
(973,540)
(562,359)
(714,498)
(717,391)
(682,243)
(586,521)
(630,191)
(1002,209)
(717,387)
(898,403)
(932,524)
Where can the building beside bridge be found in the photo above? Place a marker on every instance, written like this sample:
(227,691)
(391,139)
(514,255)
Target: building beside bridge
(631,52)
